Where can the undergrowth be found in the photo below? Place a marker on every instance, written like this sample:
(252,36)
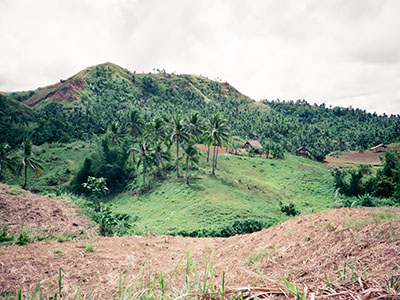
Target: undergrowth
(25,236)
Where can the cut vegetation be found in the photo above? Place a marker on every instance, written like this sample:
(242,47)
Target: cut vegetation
(322,252)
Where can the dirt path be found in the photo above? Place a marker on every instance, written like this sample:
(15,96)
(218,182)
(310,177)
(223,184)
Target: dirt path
(306,247)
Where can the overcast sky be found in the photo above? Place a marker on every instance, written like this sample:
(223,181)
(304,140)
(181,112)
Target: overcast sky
(341,52)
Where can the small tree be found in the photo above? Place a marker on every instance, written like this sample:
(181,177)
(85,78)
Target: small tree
(147,157)
(28,161)
(98,188)
(192,154)
(179,135)
(136,124)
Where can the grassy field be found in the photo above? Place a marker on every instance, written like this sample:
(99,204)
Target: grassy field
(244,188)
(248,189)
(60,163)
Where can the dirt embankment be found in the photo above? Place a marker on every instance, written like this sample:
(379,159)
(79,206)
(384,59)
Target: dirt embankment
(42,215)
(309,248)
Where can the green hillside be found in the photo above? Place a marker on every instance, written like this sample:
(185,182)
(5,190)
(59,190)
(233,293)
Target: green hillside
(85,105)
(110,123)
(246,188)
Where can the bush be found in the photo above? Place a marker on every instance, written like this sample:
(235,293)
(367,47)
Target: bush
(236,227)
(289,209)
(23,237)
(110,223)
(5,236)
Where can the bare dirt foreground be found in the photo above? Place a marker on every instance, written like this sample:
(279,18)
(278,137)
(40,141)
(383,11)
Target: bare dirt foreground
(309,248)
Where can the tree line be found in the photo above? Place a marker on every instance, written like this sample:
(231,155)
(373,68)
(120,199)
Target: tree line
(289,124)
(148,147)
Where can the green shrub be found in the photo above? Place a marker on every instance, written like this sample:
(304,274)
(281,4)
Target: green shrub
(289,209)
(23,238)
(6,237)
(236,227)
(89,248)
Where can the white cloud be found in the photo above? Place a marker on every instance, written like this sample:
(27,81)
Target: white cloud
(341,52)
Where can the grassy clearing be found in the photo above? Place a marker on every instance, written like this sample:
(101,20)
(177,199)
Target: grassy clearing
(60,163)
(244,188)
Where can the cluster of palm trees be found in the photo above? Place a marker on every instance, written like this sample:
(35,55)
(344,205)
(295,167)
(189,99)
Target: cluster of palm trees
(22,162)
(152,141)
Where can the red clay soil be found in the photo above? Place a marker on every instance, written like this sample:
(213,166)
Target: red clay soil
(309,248)
(356,158)
(67,90)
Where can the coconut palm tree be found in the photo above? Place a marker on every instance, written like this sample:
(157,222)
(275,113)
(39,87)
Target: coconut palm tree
(219,135)
(208,141)
(147,157)
(137,124)
(192,154)
(162,153)
(178,135)
(115,133)
(195,126)
(27,160)
(159,128)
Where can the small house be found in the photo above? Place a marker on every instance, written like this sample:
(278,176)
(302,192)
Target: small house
(254,145)
(303,151)
(378,148)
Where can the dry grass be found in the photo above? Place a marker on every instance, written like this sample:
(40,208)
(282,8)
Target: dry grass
(319,253)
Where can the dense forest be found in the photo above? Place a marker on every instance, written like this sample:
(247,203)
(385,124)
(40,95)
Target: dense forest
(109,92)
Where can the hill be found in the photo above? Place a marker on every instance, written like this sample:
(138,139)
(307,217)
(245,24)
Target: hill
(244,196)
(322,251)
(87,103)
(41,218)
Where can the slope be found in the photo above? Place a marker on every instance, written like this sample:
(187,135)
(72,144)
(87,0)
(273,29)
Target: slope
(246,193)
(91,100)
(313,250)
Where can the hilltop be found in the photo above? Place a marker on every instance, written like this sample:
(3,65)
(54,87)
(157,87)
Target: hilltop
(313,250)
(87,103)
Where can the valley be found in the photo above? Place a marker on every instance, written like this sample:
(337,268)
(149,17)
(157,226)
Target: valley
(146,185)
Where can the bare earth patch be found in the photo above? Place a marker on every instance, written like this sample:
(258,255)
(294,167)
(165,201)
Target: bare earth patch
(310,248)
(43,215)
(356,158)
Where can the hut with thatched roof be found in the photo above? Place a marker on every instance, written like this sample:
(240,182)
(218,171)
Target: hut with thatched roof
(303,151)
(254,145)
(378,148)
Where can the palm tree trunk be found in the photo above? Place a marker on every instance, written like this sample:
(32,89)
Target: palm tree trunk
(96,203)
(213,162)
(177,156)
(26,176)
(187,169)
(208,153)
(144,172)
(162,167)
(133,145)
(216,158)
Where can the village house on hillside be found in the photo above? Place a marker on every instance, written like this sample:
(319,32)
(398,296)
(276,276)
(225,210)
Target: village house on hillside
(378,148)
(303,151)
(254,145)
